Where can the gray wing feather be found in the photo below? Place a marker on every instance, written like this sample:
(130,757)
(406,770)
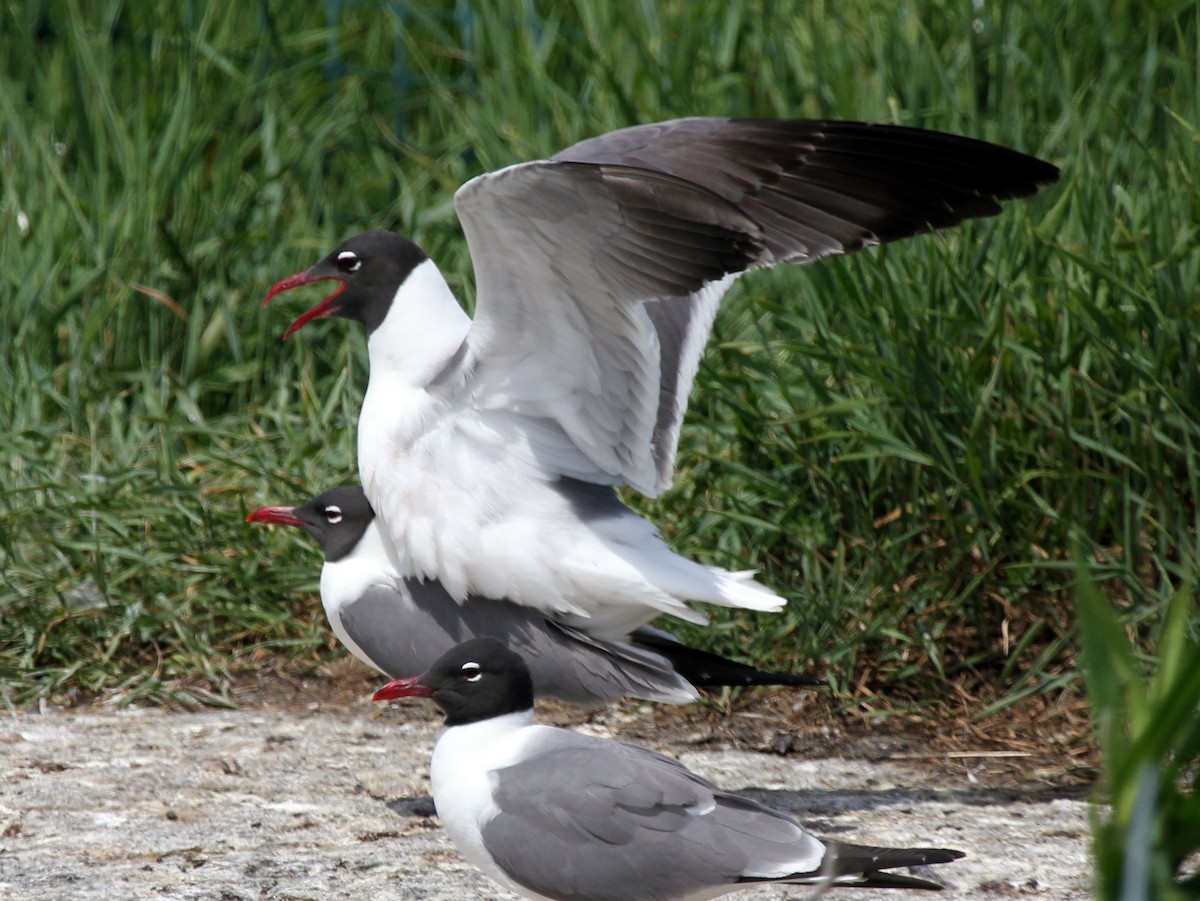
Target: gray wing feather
(564,325)
(682,326)
(610,821)
(402,632)
(598,272)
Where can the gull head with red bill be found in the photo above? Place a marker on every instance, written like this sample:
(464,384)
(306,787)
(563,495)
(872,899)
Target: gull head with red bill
(368,267)
(336,519)
(476,680)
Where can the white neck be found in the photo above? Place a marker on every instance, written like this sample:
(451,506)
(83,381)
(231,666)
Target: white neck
(460,775)
(423,328)
(468,752)
(371,563)
(482,732)
(463,758)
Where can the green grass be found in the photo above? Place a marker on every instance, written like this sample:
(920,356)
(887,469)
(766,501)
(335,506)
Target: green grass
(1149,733)
(907,442)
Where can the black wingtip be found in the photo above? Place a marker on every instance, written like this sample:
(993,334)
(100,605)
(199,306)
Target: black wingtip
(875,867)
(820,188)
(895,880)
(860,866)
(706,670)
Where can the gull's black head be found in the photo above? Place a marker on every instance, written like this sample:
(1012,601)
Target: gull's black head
(371,268)
(476,680)
(337,519)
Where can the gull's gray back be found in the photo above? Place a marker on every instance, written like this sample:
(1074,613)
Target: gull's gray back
(405,638)
(609,821)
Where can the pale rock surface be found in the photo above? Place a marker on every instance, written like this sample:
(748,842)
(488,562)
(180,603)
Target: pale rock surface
(268,804)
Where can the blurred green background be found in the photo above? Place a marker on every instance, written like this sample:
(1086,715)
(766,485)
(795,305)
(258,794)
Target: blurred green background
(908,443)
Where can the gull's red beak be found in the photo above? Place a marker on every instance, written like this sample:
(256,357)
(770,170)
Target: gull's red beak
(411,687)
(284,516)
(320,311)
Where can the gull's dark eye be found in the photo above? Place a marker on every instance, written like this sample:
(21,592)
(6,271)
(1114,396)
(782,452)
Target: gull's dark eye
(471,672)
(348,261)
(333,514)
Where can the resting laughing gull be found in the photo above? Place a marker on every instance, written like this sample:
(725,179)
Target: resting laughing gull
(489,448)
(402,625)
(552,814)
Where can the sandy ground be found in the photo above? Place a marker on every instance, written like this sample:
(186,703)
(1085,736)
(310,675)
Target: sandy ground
(333,803)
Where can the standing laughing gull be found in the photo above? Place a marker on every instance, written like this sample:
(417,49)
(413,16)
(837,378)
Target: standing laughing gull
(402,625)
(489,448)
(552,814)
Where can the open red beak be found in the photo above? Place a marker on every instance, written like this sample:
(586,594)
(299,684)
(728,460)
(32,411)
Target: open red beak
(403,688)
(320,311)
(284,516)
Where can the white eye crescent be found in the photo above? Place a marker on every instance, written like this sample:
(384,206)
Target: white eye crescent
(471,668)
(348,261)
(333,515)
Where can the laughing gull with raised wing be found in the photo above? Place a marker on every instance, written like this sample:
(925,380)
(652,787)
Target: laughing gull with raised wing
(552,814)
(402,625)
(489,448)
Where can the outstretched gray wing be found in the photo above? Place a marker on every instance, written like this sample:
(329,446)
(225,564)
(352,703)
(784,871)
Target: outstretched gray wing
(598,273)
